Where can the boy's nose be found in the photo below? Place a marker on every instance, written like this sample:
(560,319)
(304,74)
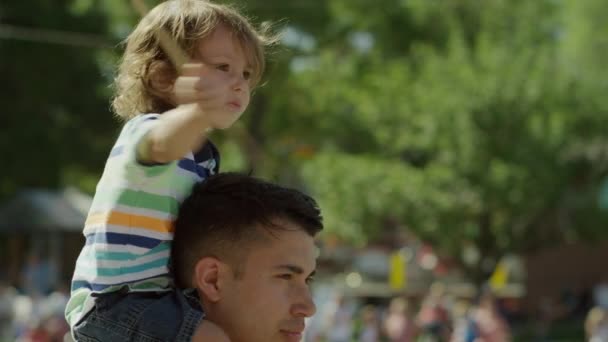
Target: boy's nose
(239,83)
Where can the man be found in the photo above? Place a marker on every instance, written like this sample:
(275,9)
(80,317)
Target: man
(247,247)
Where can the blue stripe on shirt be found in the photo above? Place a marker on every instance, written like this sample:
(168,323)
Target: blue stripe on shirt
(122,239)
(147,117)
(192,166)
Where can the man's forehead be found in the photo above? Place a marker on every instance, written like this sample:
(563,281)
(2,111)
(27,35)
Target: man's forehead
(287,244)
(295,238)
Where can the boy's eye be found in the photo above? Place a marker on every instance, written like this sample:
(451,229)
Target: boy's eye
(224,67)
(310,280)
(285,276)
(247,75)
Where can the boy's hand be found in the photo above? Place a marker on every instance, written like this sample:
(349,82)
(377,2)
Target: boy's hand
(207,98)
(201,84)
(208,331)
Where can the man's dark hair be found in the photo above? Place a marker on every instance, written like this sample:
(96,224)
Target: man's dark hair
(223,216)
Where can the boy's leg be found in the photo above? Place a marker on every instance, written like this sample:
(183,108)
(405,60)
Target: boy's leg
(141,316)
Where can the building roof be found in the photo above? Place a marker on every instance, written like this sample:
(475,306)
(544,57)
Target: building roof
(34,210)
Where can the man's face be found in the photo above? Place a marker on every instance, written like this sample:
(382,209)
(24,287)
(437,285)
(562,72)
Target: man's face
(271,298)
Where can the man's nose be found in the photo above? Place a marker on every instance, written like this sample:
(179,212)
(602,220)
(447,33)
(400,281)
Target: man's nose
(305,306)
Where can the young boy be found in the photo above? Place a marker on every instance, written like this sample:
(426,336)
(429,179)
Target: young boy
(122,289)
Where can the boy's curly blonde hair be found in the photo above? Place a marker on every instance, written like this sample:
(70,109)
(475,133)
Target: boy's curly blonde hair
(187,22)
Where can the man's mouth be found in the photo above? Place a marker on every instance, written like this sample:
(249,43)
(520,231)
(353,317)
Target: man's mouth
(293,335)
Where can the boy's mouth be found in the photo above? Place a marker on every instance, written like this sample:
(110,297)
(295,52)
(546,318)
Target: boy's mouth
(234,104)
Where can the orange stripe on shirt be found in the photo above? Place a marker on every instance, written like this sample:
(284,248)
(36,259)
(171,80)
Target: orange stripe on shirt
(130,220)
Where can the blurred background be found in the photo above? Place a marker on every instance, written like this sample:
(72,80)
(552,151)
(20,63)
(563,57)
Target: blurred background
(458,149)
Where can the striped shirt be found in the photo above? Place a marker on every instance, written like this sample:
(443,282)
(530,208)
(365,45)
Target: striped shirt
(129,227)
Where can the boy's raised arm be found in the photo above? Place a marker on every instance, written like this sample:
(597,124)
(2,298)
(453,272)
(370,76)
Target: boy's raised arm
(179,131)
(198,91)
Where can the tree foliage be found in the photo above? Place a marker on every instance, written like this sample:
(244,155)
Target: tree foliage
(461,121)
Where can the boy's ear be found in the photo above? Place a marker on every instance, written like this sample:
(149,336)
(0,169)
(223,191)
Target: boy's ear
(208,278)
(160,79)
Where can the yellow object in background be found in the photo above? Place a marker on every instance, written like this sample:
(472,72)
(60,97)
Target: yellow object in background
(397,276)
(498,280)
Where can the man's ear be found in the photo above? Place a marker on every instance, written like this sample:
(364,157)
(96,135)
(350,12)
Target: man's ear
(208,277)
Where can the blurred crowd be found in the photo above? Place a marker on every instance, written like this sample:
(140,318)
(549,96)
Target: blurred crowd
(32,317)
(440,316)
(437,318)
(33,309)
(596,322)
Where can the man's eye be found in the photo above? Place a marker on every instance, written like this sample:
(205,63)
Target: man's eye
(224,67)
(285,276)
(310,280)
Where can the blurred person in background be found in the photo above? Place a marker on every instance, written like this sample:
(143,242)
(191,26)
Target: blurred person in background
(35,317)
(600,294)
(399,324)
(7,299)
(370,324)
(465,329)
(433,318)
(54,304)
(39,276)
(36,332)
(340,326)
(491,326)
(596,325)
(24,315)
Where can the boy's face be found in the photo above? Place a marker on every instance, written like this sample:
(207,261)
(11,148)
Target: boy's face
(270,300)
(229,66)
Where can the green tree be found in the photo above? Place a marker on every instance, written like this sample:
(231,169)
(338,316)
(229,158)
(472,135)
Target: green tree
(459,120)
(461,123)
(55,120)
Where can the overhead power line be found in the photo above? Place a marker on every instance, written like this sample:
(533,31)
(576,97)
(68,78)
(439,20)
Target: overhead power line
(55,37)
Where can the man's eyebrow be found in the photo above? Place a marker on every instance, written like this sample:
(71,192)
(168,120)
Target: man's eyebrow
(294,269)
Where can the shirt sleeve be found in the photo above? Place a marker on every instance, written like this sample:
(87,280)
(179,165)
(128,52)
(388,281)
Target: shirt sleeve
(131,136)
